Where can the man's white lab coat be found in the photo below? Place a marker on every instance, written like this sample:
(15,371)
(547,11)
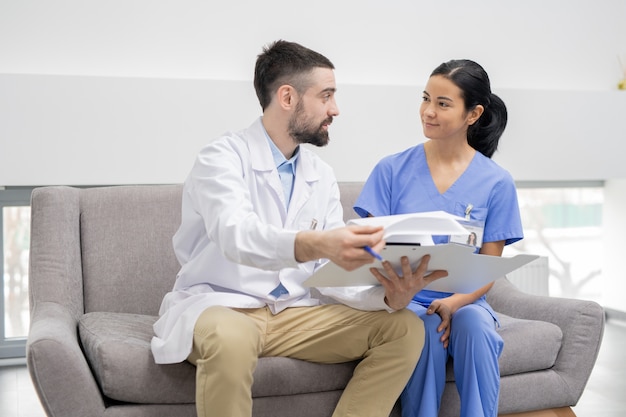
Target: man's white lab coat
(236,240)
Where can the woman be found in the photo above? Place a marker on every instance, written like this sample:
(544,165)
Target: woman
(453,172)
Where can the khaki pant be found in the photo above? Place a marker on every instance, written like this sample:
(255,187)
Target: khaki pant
(228,342)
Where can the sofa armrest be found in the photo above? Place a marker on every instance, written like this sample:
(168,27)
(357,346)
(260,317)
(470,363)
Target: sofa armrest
(55,270)
(582,324)
(57,366)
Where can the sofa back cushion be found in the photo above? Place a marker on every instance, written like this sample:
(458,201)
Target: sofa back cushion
(349,193)
(126,244)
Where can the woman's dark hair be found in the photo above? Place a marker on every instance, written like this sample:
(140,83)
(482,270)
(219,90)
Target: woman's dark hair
(283,63)
(475,87)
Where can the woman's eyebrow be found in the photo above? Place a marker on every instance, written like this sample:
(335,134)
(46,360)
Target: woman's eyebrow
(440,97)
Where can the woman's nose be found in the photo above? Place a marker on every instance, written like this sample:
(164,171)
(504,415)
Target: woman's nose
(428,110)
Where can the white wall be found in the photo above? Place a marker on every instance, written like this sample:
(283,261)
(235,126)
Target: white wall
(126,91)
(614,236)
(535,44)
(116,130)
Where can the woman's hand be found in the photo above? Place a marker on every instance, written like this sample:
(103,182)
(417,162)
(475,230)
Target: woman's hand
(444,309)
(400,289)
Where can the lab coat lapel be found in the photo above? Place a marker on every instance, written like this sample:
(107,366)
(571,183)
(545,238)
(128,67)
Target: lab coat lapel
(263,164)
(306,177)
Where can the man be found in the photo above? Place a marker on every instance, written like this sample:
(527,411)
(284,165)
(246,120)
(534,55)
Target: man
(259,213)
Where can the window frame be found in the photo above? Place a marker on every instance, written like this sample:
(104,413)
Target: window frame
(10,197)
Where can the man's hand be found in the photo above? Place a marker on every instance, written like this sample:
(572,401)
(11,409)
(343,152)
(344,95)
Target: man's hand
(399,290)
(343,246)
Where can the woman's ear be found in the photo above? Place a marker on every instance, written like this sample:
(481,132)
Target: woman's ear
(475,114)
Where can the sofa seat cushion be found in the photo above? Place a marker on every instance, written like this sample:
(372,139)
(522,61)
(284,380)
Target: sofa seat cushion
(529,345)
(117,346)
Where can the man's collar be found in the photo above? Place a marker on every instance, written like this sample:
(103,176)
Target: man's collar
(279,158)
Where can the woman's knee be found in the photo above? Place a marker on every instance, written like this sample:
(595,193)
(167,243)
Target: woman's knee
(475,325)
(473,317)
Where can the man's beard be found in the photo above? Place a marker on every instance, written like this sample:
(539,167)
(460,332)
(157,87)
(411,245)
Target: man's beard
(302,130)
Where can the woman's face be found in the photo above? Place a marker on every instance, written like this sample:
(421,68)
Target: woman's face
(443,110)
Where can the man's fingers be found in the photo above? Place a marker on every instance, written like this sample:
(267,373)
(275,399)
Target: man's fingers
(406,267)
(435,275)
(391,273)
(365,230)
(377,274)
(368,235)
(380,277)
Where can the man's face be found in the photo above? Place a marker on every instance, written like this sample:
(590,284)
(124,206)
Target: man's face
(315,110)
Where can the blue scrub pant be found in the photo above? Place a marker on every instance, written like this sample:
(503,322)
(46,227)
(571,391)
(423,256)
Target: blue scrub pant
(475,347)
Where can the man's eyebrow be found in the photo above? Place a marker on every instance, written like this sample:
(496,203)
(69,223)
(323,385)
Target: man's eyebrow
(328,90)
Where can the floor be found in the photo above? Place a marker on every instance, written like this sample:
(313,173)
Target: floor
(603,396)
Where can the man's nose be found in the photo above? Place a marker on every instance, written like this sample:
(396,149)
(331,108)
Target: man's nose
(334,109)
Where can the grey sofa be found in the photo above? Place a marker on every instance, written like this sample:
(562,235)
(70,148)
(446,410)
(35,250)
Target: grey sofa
(101,260)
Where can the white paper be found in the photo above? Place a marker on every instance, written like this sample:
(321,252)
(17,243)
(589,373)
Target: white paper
(467,271)
(401,227)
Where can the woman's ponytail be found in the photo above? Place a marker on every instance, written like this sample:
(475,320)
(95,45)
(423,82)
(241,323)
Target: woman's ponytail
(484,135)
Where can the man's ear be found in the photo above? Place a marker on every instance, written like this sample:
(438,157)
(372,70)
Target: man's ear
(286,96)
(475,114)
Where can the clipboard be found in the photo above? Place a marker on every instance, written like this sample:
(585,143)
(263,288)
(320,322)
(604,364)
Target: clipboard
(467,271)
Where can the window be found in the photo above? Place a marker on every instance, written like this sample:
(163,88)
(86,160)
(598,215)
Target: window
(563,222)
(14,251)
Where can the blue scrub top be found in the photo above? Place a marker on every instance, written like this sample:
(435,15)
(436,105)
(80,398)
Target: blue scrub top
(401,183)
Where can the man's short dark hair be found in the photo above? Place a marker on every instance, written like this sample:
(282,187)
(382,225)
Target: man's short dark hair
(283,63)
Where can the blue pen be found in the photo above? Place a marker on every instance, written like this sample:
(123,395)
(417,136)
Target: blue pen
(373,253)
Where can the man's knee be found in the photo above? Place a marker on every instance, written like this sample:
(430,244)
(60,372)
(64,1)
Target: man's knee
(409,327)
(225,335)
